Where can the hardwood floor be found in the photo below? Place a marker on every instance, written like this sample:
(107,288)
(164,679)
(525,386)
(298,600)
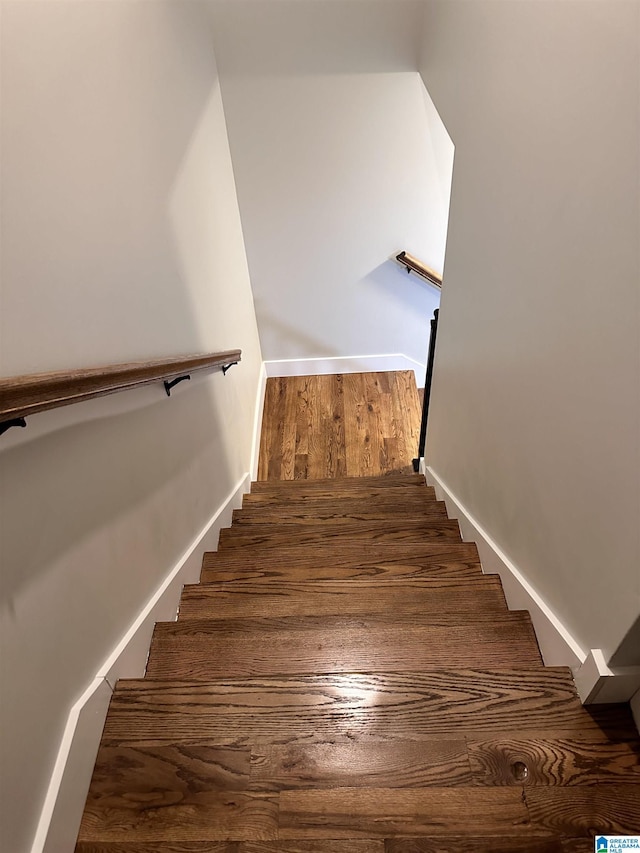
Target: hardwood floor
(344,679)
(346,425)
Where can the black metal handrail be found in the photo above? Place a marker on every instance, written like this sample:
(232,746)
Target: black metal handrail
(427,390)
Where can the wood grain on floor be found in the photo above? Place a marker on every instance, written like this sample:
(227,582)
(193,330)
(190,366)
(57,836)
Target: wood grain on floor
(345,425)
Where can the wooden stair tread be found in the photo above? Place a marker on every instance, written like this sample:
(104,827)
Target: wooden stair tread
(612,809)
(455,843)
(329,623)
(200,649)
(274,767)
(382,706)
(379,559)
(435,844)
(273,535)
(211,815)
(345,513)
(380,499)
(554,761)
(218,790)
(302,495)
(342,597)
(202,815)
(382,481)
(352,845)
(401,764)
(551,812)
(381,570)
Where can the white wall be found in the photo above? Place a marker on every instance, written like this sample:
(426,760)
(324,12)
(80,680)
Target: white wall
(535,413)
(337,170)
(121,240)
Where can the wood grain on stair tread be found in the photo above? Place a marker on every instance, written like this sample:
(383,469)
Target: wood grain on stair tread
(332,485)
(352,845)
(275,535)
(332,514)
(158,847)
(398,764)
(198,816)
(435,844)
(405,706)
(354,812)
(380,571)
(347,812)
(379,499)
(554,762)
(200,650)
(304,492)
(609,809)
(189,767)
(465,844)
(357,554)
(351,597)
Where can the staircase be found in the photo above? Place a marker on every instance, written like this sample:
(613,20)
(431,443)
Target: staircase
(345,679)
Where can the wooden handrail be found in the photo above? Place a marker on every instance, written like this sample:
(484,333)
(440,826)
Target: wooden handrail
(414,265)
(21,396)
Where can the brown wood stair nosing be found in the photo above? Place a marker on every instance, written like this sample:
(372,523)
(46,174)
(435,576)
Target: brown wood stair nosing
(205,649)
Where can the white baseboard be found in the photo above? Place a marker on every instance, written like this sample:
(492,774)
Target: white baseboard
(257,422)
(557,645)
(346,364)
(64,802)
(597,683)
